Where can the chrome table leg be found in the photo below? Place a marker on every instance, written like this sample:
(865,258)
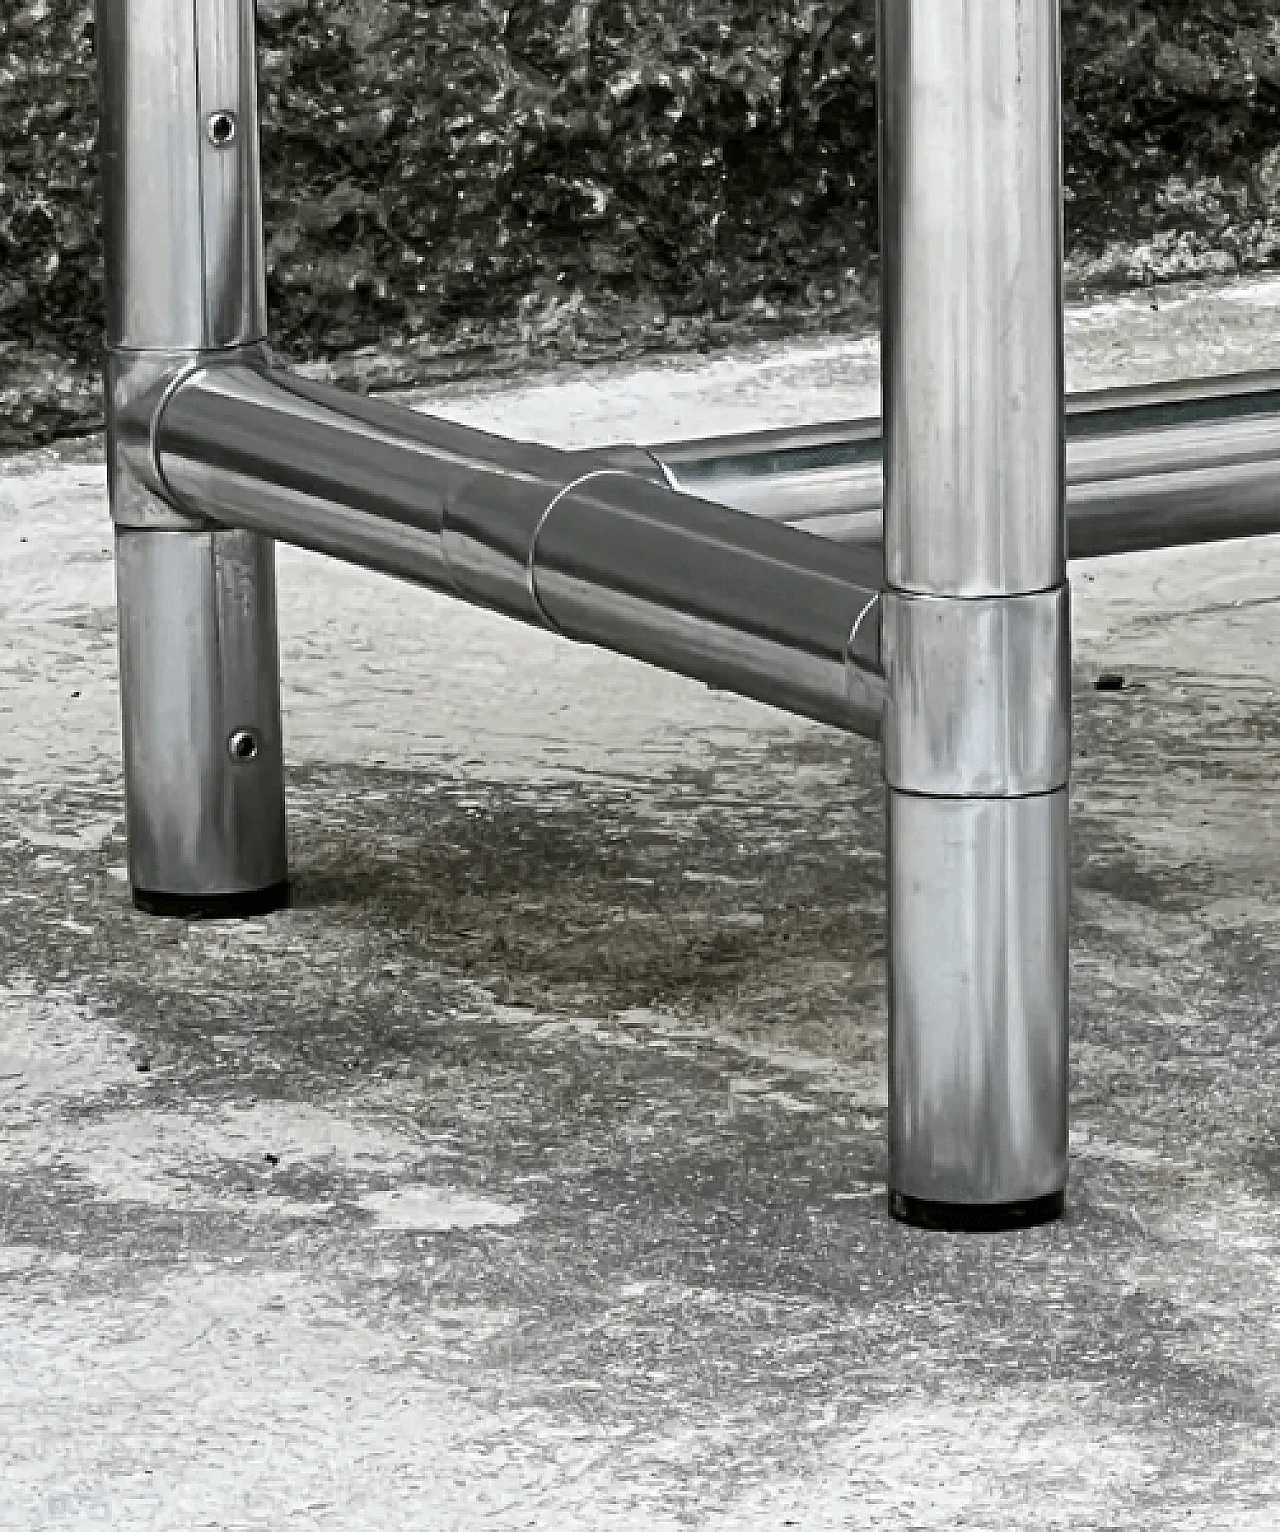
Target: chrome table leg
(976,639)
(185,282)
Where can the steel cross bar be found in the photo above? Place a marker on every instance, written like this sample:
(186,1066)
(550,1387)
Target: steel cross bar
(592,545)
(1157,466)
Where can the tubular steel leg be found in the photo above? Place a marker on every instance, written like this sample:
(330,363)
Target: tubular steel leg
(976,616)
(185,281)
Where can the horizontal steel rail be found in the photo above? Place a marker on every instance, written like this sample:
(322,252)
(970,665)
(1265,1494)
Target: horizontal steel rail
(594,546)
(1159,466)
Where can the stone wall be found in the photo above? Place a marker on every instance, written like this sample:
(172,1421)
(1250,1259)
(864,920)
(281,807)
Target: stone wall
(462,186)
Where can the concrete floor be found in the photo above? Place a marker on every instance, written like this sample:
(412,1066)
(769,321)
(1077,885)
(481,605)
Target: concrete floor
(528,1172)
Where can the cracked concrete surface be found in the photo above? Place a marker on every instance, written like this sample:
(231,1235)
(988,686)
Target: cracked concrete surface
(527,1172)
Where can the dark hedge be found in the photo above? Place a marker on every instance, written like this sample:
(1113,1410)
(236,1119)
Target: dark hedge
(457,186)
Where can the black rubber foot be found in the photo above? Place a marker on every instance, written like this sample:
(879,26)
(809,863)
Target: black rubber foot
(256,901)
(975,1217)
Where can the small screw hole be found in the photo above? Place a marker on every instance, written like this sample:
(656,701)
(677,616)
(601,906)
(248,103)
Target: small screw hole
(243,745)
(222,130)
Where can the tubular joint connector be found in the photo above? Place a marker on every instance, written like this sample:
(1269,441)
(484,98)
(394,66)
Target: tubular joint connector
(979,694)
